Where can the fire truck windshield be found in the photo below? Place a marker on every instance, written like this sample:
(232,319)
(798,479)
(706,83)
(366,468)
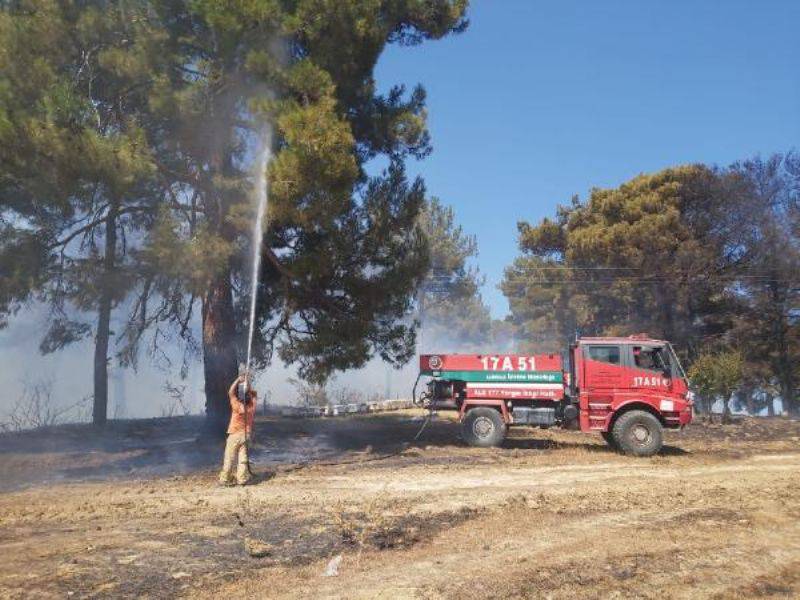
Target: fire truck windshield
(676,364)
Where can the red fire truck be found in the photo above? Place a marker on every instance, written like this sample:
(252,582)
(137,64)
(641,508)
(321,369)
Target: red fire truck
(628,389)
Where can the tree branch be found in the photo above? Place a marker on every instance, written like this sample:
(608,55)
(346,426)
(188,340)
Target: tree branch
(91,225)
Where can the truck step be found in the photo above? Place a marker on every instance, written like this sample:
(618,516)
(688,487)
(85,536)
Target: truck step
(534,416)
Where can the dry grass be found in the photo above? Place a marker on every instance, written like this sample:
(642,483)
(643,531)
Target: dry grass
(552,515)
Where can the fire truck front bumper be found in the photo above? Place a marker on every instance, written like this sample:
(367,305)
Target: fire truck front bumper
(686,415)
(678,419)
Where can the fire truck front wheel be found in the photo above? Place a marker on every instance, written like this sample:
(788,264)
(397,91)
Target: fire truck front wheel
(483,427)
(609,438)
(638,433)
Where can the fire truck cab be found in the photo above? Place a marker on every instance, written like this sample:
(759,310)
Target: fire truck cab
(628,389)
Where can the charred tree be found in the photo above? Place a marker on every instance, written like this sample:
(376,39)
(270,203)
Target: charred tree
(100,404)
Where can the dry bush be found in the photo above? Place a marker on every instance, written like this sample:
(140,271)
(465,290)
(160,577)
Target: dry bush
(35,408)
(372,526)
(516,502)
(309,394)
(378,525)
(345,524)
(346,395)
(177,403)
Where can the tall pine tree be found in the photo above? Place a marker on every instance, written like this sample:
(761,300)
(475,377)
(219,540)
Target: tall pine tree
(342,254)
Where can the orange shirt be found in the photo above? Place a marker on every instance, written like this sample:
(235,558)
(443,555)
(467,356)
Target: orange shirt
(238,415)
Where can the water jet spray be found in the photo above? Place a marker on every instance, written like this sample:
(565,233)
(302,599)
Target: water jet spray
(258,236)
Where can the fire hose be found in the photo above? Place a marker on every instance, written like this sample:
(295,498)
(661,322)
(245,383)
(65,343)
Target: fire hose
(243,392)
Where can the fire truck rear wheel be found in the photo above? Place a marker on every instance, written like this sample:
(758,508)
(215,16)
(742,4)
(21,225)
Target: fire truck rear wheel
(483,427)
(638,433)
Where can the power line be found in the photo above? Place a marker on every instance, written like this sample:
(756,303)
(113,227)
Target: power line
(656,280)
(740,275)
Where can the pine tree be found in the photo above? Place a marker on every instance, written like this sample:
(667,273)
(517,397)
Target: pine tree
(717,375)
(449,302)
(656,255)
(767,325)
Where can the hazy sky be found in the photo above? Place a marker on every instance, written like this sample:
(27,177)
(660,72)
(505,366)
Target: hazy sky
(538,101)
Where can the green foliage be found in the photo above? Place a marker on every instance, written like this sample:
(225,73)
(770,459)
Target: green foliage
(71,148)
(342,255)
(543,309)
(22,265)
(641,257)
(192,261)
(717,375)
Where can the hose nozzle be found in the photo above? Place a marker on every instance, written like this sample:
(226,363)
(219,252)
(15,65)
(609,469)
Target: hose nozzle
(244,386)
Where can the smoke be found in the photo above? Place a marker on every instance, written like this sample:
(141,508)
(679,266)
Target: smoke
(380,379)
(132,394)
(149,391)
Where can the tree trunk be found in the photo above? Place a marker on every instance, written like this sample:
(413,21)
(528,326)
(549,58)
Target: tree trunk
(788,401)
(770,405)
(706,404)
(746,398)
(667,314)
(220,363)
(786,378)
(219,351)
(100,404)
(783,368)
(726,409)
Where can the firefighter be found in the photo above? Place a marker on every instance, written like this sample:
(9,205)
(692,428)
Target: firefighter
(240,431)
(643,359)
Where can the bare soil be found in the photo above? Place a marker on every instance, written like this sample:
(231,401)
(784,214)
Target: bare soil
(134,511)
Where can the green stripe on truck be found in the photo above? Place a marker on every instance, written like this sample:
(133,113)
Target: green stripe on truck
(500,376)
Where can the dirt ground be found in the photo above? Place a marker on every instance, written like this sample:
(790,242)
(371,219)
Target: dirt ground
(134,512)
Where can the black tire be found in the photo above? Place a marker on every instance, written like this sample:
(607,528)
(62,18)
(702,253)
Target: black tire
(609,439)
(483,427)
(638,433)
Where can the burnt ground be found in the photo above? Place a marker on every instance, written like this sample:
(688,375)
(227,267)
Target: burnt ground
(133,511)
